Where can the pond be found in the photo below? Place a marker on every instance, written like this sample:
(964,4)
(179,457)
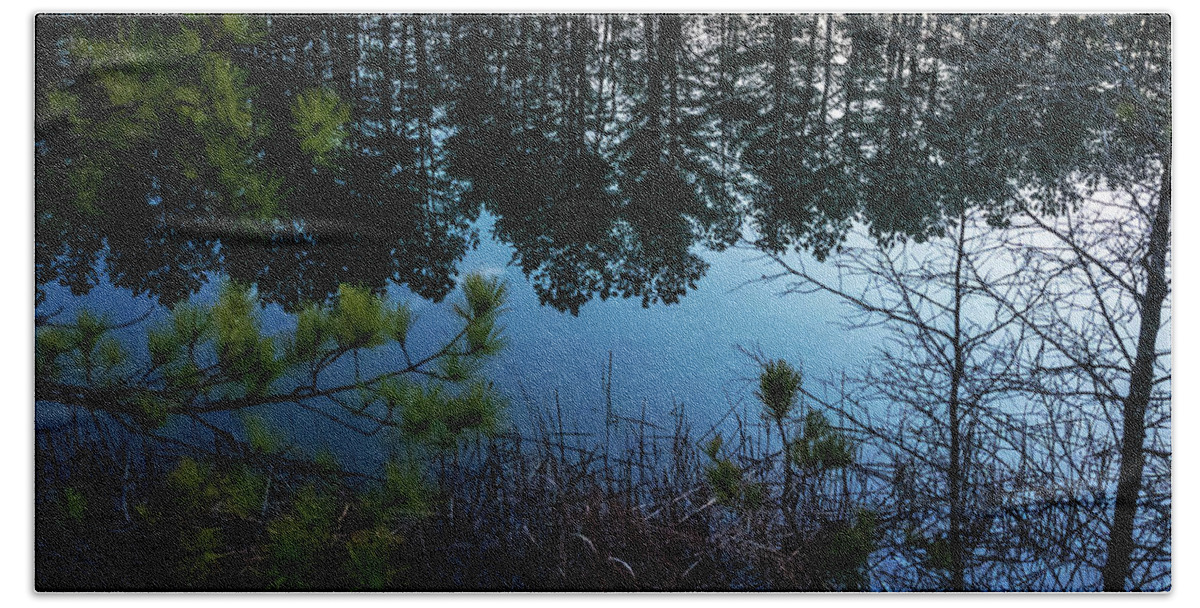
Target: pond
(688,353)
(615,236)
(905,278)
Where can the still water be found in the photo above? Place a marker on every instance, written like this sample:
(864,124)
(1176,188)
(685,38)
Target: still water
(686,354)
(380,152)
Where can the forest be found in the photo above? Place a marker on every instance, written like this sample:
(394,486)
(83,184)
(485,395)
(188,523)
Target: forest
(989,196)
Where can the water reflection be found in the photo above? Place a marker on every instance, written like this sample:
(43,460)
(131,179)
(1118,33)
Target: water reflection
(606,156)
(299,153)
(302,152)
(418,156)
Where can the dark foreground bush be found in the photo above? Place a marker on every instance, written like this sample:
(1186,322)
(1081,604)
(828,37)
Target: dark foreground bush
(661,512)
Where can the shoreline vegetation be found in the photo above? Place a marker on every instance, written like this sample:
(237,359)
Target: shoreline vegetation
(460,503)
(786,492)
(547,511)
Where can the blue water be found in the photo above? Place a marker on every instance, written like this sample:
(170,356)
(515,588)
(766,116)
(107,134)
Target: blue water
(686,354)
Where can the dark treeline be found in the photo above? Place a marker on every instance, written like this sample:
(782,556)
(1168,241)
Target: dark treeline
(995,189)
(605,145)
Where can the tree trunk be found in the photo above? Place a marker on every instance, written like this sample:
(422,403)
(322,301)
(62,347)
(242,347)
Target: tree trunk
(1141,384)
(954,535)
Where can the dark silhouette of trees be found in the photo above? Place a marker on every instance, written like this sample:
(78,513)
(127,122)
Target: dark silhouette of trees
(590,212)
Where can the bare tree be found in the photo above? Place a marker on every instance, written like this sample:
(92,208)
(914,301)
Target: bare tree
(1064,150)
(1100,275)
(936,410)
(1011,391)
